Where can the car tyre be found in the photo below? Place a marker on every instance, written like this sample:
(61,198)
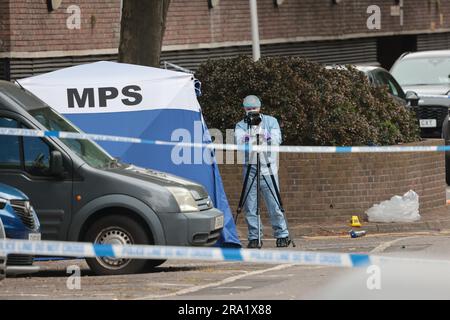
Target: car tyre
(121,230)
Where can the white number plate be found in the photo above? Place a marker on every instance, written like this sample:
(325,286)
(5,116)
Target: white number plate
(428,123)
(219,223)
(34,237)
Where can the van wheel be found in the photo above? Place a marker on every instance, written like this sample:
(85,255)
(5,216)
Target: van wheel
(120,230)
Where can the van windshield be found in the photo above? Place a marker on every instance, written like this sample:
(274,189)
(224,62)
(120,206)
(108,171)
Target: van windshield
(88,150)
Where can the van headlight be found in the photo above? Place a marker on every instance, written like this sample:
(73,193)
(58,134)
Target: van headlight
(184,198)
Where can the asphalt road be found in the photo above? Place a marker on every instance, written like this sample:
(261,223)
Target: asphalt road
(211,280)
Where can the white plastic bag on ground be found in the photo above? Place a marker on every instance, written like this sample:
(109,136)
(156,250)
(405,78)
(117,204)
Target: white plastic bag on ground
(398,209)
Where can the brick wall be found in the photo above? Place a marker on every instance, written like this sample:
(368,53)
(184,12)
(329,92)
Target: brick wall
(32,28)
(4,25)
(27,26)
(335,185)
(190,21)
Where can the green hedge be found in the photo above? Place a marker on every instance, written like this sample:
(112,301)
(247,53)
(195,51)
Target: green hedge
(315,106)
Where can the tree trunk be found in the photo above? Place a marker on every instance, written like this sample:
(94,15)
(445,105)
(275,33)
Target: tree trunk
(142,31)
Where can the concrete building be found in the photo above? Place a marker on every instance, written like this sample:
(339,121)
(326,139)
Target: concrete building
(35,39)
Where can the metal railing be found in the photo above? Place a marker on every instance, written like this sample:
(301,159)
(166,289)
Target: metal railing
(168,65)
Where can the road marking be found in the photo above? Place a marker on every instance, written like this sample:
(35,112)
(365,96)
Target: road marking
(173,285)
(278,276)
(216,284)
(234,288)
(385,245)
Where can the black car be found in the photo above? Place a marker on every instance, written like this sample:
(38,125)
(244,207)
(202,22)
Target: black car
(427,73)
(380,77)
(432,118)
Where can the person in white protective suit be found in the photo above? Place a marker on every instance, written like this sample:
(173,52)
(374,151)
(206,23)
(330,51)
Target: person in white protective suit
(270,134)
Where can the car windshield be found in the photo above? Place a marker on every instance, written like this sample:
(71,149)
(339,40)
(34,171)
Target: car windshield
(88,150)
(423,71)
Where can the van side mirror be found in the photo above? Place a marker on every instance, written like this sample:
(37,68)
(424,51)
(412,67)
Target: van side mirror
(56,164)
(412,98)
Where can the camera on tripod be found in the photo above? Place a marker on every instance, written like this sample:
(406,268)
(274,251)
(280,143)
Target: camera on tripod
(253,118)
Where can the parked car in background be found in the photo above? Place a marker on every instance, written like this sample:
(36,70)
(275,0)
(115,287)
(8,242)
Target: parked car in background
(432,109)
(81,193)
(425,72)
(378,76)
(20,222)
(428,74)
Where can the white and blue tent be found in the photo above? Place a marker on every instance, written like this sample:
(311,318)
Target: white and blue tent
(135,101)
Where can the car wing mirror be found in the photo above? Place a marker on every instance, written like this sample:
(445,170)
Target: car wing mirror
(412,98)
(56,164)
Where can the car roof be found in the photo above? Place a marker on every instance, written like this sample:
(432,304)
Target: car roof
(360,67)
(17,99)
(427,54)
(366,68)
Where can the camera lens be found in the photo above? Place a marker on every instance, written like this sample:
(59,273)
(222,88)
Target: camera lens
(253,118)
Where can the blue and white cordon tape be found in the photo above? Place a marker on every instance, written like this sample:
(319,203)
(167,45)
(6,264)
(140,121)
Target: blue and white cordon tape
(228,147)
(89,250)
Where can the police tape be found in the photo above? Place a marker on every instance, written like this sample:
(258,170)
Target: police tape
(148,252)
(218,146)
(89,250)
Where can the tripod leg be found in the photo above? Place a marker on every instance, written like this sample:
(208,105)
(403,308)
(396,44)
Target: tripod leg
(244,193)
(258,188)
(274,183)
(245,199)
(276,197)
(277,191)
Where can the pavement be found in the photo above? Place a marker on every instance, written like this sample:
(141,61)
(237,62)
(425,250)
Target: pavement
(436,220)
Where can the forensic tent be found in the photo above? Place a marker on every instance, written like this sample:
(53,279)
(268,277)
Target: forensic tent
(141,102)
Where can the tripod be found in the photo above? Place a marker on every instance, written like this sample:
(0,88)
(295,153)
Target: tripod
(245,192)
